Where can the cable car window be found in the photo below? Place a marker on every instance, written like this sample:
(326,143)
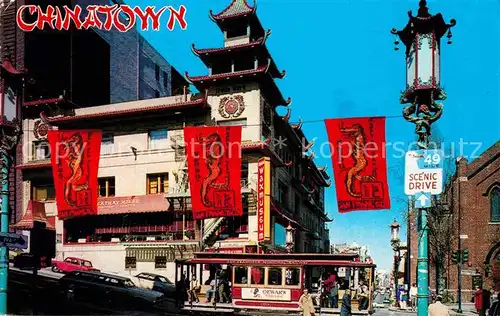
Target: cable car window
(275,276)
(241,275)
(257,275)
(292,276)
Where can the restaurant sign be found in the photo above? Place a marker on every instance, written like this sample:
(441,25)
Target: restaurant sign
(266,294)
(132,204)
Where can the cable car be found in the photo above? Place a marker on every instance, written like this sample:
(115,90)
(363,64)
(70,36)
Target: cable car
(232,283)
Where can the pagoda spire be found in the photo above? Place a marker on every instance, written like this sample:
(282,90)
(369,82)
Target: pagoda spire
(237,8)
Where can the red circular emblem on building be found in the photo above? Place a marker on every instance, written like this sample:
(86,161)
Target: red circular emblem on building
(231,106)
(41,129)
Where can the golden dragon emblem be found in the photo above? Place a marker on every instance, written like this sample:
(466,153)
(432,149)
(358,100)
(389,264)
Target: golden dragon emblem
(358,154)
(74,146)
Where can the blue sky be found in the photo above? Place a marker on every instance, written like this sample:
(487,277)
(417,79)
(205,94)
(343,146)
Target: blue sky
(340,62)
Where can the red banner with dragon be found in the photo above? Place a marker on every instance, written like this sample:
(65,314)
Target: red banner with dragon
(214,164)
(359,163)
(75,164)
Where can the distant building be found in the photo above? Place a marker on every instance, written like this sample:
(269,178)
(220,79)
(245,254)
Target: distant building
(353,248)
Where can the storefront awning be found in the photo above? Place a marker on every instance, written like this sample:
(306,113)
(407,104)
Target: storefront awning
(34,213)
(132,204)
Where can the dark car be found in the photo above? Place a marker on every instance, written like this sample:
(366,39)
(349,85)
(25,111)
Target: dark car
(109,290)
(155,282)
(25,261)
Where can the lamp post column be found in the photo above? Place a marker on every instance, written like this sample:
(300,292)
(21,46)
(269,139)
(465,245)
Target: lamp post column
(422,39)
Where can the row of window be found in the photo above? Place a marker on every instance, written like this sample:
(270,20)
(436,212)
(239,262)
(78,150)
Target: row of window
(156,183)
(267,276)
(160,262)
(157,139)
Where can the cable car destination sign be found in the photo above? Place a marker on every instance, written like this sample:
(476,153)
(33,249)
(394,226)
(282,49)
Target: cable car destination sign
(424,172)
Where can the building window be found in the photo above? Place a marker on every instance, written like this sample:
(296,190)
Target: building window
(244,174)
(106,186)
(495,204)
(158,139)
(157,94)
(157,72)
(107,144)
(160,262)
(130,262)
(41,150)
(165,80)
(44,193)
(157,183)
(282,193)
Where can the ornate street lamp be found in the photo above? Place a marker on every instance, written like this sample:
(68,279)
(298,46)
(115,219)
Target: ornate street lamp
(395,244)
(10,91)
(290,238)
(422,38)
(394,233)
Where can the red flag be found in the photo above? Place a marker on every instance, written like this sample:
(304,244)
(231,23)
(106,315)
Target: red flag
(214,164)
(359,163)
(75,164)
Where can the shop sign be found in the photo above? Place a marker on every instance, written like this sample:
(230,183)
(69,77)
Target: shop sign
(266,294)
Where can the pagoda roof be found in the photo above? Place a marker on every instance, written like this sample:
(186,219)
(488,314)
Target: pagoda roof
(207,55)
(271,90)
(236,9)
(153,106)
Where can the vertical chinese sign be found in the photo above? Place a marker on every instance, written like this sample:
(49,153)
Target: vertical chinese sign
(75,164)
(214,166)
(359,163)
(264,199)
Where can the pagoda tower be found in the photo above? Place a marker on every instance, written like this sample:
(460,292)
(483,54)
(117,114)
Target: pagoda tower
(240,79)
(241,90)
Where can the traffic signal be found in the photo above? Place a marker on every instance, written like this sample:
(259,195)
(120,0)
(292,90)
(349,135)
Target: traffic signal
(454,257)
(465,257)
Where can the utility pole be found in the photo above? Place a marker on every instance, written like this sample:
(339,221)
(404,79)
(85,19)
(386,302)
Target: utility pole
(422,39)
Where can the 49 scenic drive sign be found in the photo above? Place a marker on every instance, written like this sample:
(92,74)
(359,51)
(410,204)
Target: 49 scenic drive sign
(424,172)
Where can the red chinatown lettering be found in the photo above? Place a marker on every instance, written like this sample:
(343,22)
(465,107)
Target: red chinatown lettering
(149,13)
(104,17)
(179,16)
(26,27)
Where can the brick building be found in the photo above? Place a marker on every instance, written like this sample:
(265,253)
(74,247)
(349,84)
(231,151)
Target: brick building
(475,186)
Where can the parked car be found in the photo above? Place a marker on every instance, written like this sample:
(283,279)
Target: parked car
(155,282)
(109,290)
(72,264)
(25,261)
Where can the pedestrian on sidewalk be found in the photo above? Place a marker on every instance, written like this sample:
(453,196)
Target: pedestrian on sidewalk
(413,296)
(438,309)
(478,302)
(495,307)
(306,304)
(346,309)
